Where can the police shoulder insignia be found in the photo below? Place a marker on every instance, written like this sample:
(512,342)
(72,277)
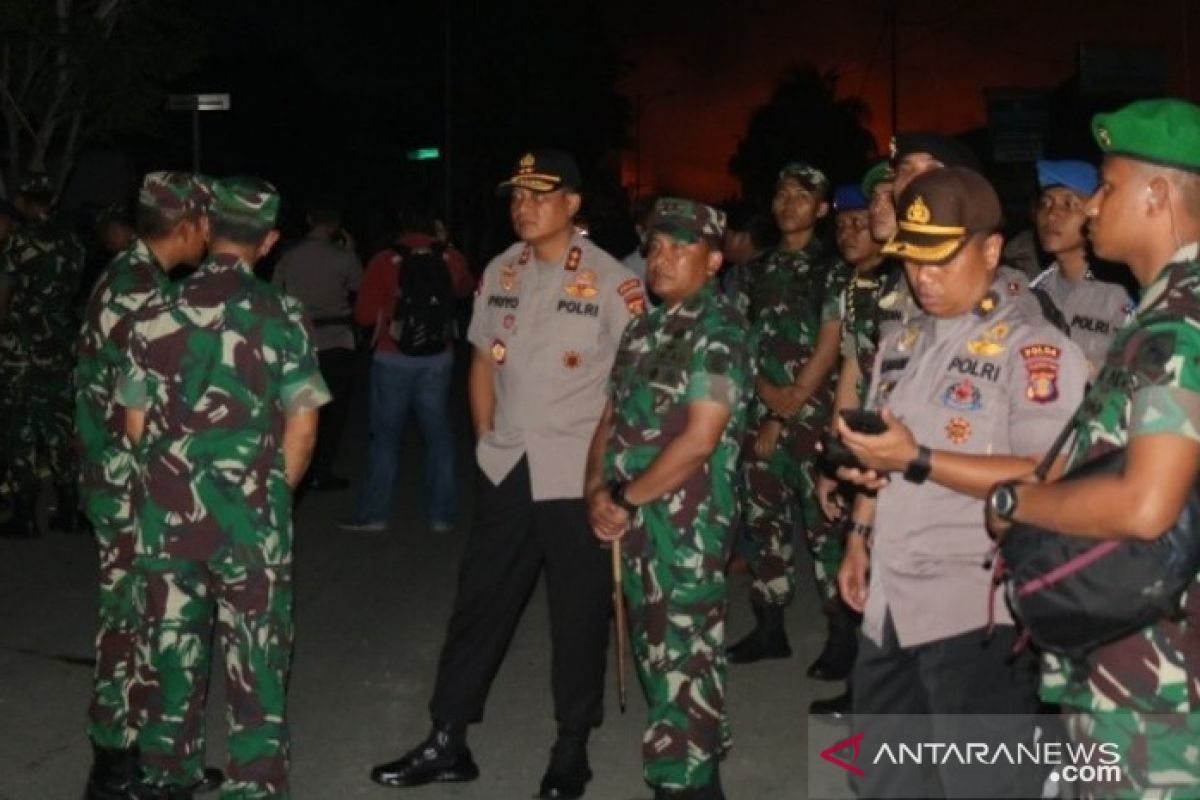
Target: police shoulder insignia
(958,430)
(1041,368)
(628,286)
(635,304)
(499,351)
(573,259)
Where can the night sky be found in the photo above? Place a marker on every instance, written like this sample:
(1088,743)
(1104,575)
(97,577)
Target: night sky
(328,96)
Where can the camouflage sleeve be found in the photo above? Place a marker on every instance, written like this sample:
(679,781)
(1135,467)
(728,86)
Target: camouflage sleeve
(1166,371)
(302,388)
(1047,377)
(133,387)
(847,344)
(832,308)
(715,373)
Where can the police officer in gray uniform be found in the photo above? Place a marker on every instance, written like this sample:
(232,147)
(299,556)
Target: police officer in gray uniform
(549,314)
(1093,309)
(972,392)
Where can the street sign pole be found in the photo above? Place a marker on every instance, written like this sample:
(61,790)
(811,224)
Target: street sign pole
(196,103)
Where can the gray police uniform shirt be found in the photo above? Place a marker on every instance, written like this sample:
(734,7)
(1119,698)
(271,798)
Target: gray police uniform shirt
(322,276)
(551,332)
(1094,309)
(999,380)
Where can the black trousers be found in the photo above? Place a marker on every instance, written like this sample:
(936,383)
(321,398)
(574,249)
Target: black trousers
(511,538)
(337,368)
(961,675)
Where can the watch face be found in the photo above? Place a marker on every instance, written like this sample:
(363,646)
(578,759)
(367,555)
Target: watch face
(1003,500)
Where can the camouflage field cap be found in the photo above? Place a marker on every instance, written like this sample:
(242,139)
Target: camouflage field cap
(245,199)
(175,194)
(880,173)
(939,211)
(1163,131)
(686,220)
(543,171)
(806,175)
(36,183)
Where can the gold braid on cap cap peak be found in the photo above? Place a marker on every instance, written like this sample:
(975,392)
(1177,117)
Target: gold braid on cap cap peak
(929,253)
(916,220)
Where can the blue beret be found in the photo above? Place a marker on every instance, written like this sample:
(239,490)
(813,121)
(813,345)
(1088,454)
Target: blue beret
(1078,176)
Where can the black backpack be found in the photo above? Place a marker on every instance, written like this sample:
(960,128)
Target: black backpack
(423,321)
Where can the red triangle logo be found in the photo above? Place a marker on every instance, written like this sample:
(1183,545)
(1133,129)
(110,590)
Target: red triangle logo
(854,742)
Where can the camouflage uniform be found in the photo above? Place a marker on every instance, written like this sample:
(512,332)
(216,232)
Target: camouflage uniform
(788,297)
(217,367)
(676,550)
(863,315)
(41,262)
(1149,384)
(133,278)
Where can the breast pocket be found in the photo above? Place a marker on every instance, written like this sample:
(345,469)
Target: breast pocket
(965,410)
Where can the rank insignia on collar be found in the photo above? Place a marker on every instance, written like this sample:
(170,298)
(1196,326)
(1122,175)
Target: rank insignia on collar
(524,259)
(988,304)
(584,285)
(508,278)
(573,259)
(908,338)
(958,430)
(499,351)
(571,359)
(1014,288)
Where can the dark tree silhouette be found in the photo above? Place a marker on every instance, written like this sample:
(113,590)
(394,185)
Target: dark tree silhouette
(804,120)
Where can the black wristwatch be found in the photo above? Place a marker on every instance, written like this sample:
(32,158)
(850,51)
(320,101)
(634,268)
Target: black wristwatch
(918,469)
(617,490)
(1002,500)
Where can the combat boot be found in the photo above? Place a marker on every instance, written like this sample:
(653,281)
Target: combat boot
(841,645)
(113,775)
(711,792)
(442,758)
(568,773)
(22,524)
(767,640)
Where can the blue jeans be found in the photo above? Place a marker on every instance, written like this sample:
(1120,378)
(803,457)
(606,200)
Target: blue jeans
(398,382)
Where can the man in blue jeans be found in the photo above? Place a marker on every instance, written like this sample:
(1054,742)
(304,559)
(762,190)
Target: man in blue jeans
(412,367)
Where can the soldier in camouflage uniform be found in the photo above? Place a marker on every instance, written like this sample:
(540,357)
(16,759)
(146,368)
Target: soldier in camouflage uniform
(662,477)
(787,301)
(40,268)
(1146,399)
(221,389)
(173,229)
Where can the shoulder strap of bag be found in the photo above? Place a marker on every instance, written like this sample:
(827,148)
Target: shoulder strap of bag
(1060,442)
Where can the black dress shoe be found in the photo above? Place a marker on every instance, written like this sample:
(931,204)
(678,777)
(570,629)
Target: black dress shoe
(836,707)
(428,762)
(568,773)
(841,647)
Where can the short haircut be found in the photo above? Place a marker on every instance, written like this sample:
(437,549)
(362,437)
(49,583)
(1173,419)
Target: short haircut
(1188,185)
(243,232)
(152,224)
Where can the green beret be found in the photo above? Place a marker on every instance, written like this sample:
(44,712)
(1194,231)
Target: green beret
(876,175)
(1163,131)
(246,200)
(174,194)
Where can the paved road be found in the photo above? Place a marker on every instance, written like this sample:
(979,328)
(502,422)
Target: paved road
(370,613)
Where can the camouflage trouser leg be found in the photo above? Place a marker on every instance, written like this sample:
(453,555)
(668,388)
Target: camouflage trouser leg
(826,541)
(253,610)
(677,600)
(1159,757)
(770,502)
(111,723)
(52,421)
